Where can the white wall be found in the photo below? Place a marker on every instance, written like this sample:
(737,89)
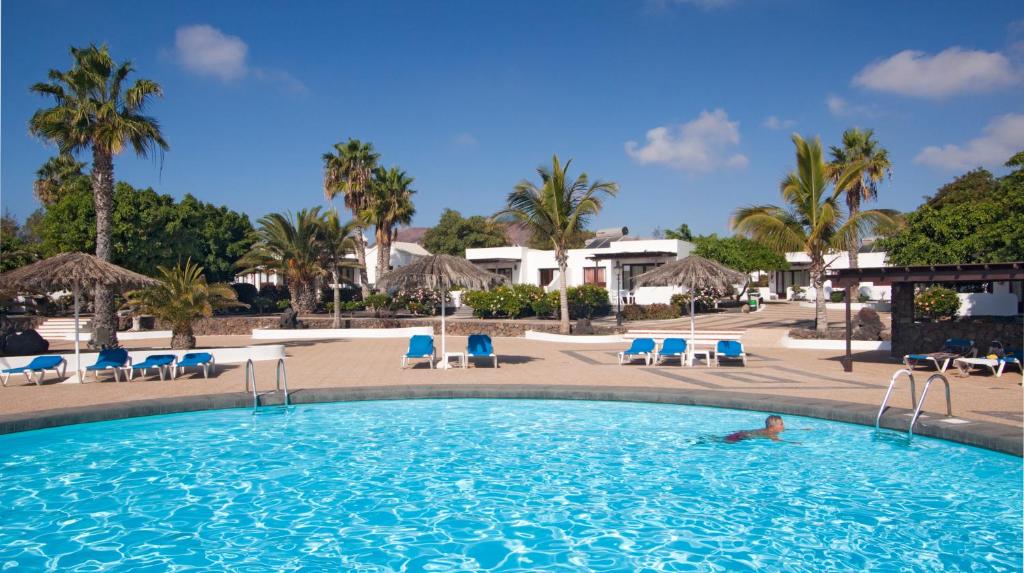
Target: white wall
(988,304)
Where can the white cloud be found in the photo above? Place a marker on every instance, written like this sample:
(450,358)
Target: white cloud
(464,139)
(951,71)
(207,51)
(703,144)
(773,122)
(1002,137)
(840,107)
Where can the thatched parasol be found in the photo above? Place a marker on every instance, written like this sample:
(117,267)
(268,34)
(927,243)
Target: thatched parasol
(439,272)
(70,271)
(692,272)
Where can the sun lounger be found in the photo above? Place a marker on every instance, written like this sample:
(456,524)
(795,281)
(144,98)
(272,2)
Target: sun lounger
(642,347)
(159,361)
(671,348)
(480,346)
(39,364)
(195,360)
(420,346)
(115,359)
(952,349)
(729,350)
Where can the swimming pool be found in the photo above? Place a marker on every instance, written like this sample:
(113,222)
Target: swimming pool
(499,485)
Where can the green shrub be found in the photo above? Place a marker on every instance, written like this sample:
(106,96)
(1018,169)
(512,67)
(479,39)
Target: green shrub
(937,303)
(863,297)
(705,301)
(283,303)
(378,301)
(546,305)
(506,301)
(420,300)
(837,296)
(657,311)
(588,301)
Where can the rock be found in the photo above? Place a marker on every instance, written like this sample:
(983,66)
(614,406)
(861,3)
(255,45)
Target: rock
(867,325)
(25,343)
(583,326)
(289,319)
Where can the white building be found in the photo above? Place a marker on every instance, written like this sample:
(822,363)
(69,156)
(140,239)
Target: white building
(610,260)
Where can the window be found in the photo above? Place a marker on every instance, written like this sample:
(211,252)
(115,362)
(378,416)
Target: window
(505,272)
(547,276)
(630,272)
(594,276)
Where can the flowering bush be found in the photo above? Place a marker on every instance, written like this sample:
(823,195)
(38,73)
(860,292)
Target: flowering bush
(649,311)
(588,301)
(378,301)
(936,303)
(705,300)
(506,301)
(421,300)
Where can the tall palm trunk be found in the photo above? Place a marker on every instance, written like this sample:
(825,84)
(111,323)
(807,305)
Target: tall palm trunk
(304,296)
(563,293)
(336,276)
(383,253)
(364,280)
(853,202)
(820,311)
(183,337)
(105,320)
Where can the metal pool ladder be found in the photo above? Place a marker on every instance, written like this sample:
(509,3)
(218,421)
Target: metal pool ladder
(917,404)
(250,381)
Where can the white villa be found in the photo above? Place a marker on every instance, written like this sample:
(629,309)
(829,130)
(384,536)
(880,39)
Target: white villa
(402,253)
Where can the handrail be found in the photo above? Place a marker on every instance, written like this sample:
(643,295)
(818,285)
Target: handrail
(282,373)
(924,392)
(888,393)
(250,375)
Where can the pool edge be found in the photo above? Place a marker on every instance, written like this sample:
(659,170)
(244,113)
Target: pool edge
(997,437)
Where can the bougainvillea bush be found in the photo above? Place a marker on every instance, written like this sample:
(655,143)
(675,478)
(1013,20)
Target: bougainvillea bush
(936,303)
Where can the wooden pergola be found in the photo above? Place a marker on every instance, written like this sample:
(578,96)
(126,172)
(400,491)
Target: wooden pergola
(900,277)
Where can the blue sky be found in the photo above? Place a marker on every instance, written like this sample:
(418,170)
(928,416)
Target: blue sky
(470,97)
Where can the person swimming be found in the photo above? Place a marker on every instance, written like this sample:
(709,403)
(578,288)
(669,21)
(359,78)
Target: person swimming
(773,426)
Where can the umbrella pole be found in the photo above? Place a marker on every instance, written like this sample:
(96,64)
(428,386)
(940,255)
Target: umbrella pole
(78,350)
(444,348)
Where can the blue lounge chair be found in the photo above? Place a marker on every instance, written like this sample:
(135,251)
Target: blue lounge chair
(672,348)
(115,359)
(642,347)
(952,349)
(420,346)
(195,360)
(730,350)
(159,361)
(39,364)
(480,346)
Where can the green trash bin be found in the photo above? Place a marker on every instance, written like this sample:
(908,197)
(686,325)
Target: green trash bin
(753,301)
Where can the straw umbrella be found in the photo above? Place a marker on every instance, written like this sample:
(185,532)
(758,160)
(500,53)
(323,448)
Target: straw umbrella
(692,272)
(72,271)
(439,272)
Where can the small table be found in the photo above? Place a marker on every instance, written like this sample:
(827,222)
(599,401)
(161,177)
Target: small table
(446,363)
(704,352)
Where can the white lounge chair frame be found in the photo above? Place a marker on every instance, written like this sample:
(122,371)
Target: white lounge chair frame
(63,364)
(209,367)
(431,358)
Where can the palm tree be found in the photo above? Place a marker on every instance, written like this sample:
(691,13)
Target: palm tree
(53,175)
(556,212)
(337,242)
(291,247)
(814,222)
(349,172)
(388,205)
(95,109)
(182,297)
(860,148)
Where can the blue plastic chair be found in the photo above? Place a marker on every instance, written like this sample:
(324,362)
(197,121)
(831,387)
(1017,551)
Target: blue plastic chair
(195,360)
(730,349)
(480,346)
(420,346)
(672,348)
(115,359)
(159,361)
(38,364)
(642,347)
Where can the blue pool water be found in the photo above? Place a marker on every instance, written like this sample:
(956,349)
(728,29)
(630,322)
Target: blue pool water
(504,485)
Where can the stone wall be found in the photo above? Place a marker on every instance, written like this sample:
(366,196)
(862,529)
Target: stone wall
(929,336)
(244,325)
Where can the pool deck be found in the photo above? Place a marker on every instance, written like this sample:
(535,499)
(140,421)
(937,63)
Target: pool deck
(987,411)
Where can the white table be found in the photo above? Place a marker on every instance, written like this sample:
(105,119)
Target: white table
(446,362)
(702,352)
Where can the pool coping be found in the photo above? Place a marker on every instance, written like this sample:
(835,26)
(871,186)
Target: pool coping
(997,437)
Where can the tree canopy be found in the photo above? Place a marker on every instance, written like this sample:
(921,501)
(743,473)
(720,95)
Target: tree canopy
(680,233)
(454,233)
(976,218)
(739,253)
(150,230)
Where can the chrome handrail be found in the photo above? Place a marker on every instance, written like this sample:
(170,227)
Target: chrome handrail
(282,373)
(888,393)
(924,392)
(250,375)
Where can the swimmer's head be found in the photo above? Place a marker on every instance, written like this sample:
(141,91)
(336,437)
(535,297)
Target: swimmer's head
(774,423)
